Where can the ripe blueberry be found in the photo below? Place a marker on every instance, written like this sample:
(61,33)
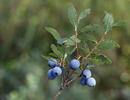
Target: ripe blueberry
(57,71)
(50,74)
(91,82)
(86,73)
(52,63)
(83,81)
(74,64)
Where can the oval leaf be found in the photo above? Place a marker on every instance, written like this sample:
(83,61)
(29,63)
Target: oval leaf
(53,32)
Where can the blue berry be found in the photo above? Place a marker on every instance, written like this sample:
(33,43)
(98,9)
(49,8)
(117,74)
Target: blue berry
(52,63)
(83,81)
(62,68)
(74,64)
(57,71)
(50,74)
(91,82)
(86,73)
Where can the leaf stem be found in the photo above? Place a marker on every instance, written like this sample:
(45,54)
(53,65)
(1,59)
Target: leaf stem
(76,46)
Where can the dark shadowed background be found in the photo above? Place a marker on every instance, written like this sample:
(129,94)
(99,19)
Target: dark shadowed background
(23,40)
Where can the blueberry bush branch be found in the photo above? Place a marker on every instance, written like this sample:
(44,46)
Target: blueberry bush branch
(105,33)
(68,48)
(63,87)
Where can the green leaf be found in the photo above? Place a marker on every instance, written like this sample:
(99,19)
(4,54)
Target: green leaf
(104,58)
(91,66)
(70,50)
(108,22)
(85,49)
(91,44)
(72,42)
(101,59)
(52,54)
(61,48)
(119,23)
(107,44)
(68,41)
(72,15)
(73,38)
(64,40)
(83,14)
(46,58)
(85,37)
(90,28)
(65,56)
(56,51)
(53,32)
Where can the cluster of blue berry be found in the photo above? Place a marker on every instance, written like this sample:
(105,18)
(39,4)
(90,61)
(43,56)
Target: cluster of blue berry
(87,79)
(86,74)
(56,71)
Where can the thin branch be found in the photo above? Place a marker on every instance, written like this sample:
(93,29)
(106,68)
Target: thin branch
(58,93)
(63,87)
(96,45)
(70,75)
(76,46)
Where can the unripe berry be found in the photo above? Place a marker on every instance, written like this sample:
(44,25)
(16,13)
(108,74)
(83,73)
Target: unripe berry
(91,82)
(52,63)
(83,81)
(62,68)
(74,64)
(50,74)
(86,73)
(57,71)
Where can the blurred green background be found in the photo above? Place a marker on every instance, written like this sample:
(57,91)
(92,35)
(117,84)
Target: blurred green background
(23,40)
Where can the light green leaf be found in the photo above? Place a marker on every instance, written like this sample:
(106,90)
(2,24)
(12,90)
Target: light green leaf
(104,58)
(72,15)
(90,28)
(101,59)
(108,22)
(91,66)
(65,56)
(91,44)
(52,54)
(70,50)
(107,44)
(46,58)
(64,40)
(83,14)
(71,41)
(56,51)
(53,32)
(73,38)
(119,23)
(85,37)
(85,49)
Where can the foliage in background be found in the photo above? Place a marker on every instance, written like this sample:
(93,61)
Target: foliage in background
(23,40)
